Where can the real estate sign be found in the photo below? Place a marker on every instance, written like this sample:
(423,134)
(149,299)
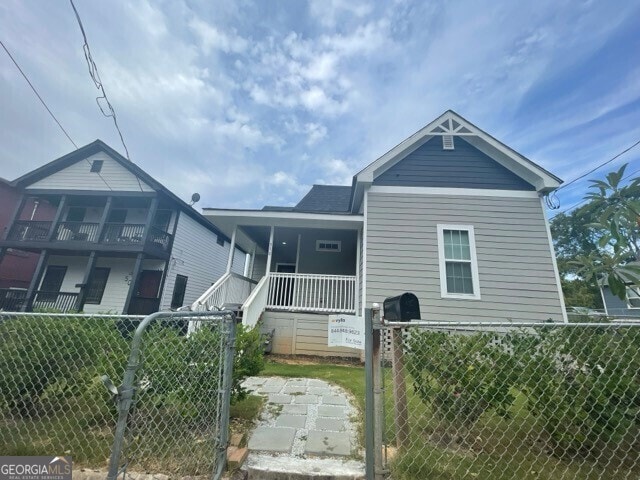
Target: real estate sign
(346,331)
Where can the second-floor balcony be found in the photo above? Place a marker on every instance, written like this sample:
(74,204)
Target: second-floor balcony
(113,235)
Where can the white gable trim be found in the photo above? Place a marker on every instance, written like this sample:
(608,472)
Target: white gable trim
(445,124)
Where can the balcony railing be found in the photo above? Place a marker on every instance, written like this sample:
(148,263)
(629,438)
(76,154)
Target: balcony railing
(123,233)
(77,232)
(312,293)
(29,230)
(11,300)
(159,239)
(59,301)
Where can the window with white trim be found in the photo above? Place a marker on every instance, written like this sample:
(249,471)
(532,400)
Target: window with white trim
(633,297)
(458,262)
(328,245)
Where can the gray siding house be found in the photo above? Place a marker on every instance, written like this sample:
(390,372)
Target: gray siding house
(450,214)
(117,241)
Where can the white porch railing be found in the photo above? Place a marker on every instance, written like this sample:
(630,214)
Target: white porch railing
(254,305)
(312,293)
(230,288)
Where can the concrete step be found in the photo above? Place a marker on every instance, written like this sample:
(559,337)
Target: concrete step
(267,467)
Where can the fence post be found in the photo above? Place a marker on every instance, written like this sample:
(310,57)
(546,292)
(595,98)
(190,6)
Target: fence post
(378,392)
(227,384)
(368,399)
(399,389)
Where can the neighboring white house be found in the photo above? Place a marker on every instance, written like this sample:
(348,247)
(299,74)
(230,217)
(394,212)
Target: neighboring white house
(450,214)
(118,241)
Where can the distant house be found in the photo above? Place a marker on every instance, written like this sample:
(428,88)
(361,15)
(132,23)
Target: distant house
(113,238)
(450,214)
(17,266)
(616,307)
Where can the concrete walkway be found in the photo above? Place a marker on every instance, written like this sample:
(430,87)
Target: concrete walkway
(307,430)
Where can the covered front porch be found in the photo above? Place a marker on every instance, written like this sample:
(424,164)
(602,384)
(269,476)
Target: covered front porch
(299,262)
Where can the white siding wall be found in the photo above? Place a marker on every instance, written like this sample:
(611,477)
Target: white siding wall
(115,292)
(79,177)
(196,255)
(517,279)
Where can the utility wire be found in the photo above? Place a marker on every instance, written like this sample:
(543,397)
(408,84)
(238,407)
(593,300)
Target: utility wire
(95,76)
(585,200)
(599,166)
(37,94)
(47,107)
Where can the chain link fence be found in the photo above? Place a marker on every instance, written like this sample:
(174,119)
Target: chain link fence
(61,392)
(499,401)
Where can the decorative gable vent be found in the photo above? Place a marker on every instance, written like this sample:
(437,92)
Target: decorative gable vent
(447,142)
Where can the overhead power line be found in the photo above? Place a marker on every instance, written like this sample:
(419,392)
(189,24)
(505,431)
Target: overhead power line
(47,107)
(37,94)
(95,76)
(599,166)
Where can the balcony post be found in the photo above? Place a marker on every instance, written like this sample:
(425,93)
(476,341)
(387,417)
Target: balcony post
(84,286)
(56,219)
(104,218)
(252,260)
(232,248)
(133,287)
(15,215)
(153,207)
(35,281)
(270,252)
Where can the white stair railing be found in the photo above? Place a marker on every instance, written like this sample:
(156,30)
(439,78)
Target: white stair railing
(231,288)
(254,305)
(311,292)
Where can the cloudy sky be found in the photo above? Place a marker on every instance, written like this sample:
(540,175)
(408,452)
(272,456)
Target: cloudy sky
(251,102)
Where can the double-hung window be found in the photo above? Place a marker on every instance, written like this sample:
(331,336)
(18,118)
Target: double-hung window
(458,262)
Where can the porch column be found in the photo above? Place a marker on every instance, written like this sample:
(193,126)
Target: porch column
(252,259)
(56,219)
(358,252)
(270,254)
(86,279)
(103,219)
(298,252)
(232,248)
(133,287)
(153,207)
(35,281)
(15,216)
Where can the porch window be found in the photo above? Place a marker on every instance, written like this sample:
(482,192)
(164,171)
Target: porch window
(633,297)
(458,262)
(328,245)
(97,284)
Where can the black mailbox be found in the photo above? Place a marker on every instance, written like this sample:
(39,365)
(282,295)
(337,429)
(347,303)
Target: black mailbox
(402,308)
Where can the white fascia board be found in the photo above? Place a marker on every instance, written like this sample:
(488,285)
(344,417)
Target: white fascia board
(268,214)
(472,192)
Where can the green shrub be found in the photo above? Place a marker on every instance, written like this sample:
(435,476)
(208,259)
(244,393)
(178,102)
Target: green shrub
(47,363)
(460,376)
(248,360)
(584,387)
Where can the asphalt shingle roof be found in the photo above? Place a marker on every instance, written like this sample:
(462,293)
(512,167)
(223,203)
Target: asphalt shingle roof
(326,198)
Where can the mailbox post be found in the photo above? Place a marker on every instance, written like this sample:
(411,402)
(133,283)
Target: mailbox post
(402,308)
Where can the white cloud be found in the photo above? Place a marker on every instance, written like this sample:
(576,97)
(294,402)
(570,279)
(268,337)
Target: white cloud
(212,38)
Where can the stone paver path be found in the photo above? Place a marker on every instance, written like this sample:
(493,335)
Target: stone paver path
(307,425)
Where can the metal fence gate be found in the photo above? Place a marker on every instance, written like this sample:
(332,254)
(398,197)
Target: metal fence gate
(457,400)
(169,415)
